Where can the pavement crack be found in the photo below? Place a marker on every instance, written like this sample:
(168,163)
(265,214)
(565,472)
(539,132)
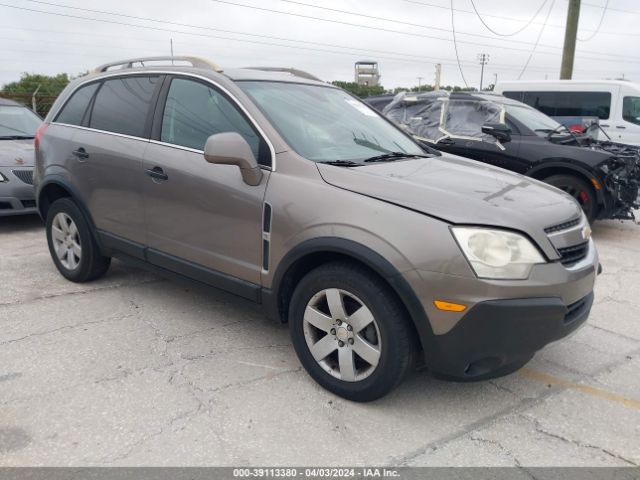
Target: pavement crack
(540,429)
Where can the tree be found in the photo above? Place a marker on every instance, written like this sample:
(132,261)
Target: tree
(362,91)
(23,89)
(29,82)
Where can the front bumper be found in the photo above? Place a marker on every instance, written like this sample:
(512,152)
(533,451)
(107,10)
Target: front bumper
(17,195)
(505,321)
(498,336)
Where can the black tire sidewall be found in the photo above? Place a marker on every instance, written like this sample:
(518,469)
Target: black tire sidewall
(580,184)
(396,346)
(87,243)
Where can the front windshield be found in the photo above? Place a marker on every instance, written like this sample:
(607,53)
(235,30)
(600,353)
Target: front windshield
(533,119)
(17,121)
(325,124)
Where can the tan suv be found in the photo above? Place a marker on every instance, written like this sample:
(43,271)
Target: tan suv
(292,193)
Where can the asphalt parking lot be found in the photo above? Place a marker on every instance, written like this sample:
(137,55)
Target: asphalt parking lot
(136,370)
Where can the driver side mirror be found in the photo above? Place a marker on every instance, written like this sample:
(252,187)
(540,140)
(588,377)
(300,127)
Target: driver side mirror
(500,131)
(231,149)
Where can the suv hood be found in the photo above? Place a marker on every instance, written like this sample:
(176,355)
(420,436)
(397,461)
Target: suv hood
(16,153)
(461,191)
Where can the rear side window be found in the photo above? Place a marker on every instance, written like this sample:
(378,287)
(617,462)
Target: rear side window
(75,109)
(194,111)
(122,104)
(631,109)
(567,104)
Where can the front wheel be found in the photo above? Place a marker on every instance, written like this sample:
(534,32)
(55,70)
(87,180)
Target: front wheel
(578,189)
(350,332)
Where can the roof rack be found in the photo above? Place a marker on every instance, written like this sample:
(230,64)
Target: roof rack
(292,71)
(196,62)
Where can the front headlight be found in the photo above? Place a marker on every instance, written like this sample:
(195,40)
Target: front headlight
(497,254)
(3,178)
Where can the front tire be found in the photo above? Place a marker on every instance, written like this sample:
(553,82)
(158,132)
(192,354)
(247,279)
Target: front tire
(73,249)
(578,189)
(350,331)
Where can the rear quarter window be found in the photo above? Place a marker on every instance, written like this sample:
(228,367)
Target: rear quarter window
(122,105)
(74,110)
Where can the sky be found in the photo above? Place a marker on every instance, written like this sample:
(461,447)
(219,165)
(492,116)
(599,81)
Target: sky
(406,37)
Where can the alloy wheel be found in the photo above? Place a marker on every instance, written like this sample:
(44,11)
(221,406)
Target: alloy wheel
(66,241)
(342,334)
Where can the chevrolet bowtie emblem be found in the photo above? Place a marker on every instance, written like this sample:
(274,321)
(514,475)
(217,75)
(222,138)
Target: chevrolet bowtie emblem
(586,232)
(19,161)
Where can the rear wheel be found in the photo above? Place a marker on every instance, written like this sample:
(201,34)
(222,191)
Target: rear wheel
(71,244)
(578,189)
(350,332)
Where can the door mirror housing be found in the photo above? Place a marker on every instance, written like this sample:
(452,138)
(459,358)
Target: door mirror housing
(500,131)
(231,149)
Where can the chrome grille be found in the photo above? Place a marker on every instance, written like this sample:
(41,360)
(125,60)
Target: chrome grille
(25,175)
(572,255)
(563,226)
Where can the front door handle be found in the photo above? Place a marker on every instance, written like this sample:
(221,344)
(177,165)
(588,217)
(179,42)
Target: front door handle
(81,153)
(622,127)
(157,173)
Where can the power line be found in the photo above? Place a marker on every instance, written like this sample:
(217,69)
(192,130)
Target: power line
(537,40)
(380,29)
(253,7)
(400,22)
(214,29)
(604,10)
(514,19)
(250,34)
(535,15)
(455,45)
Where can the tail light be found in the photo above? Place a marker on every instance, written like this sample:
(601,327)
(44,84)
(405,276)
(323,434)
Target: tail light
(39,133)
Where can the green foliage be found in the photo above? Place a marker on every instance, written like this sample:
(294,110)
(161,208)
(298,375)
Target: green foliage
(29,82)
(361,91)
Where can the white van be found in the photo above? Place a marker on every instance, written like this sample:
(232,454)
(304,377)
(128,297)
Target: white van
(615,102)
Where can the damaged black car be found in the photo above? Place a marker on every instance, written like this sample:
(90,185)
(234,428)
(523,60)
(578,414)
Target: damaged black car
(603,176)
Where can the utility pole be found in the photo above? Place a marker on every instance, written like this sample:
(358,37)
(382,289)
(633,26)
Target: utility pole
(570,34)
(436,85)
(495,80)
(483,58)
(419,82)
(171,50)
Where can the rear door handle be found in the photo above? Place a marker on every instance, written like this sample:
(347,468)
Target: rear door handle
(621,127)
(81,153)
(157,173)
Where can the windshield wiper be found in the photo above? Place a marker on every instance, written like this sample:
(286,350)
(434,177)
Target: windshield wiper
(393,156)
(342,163)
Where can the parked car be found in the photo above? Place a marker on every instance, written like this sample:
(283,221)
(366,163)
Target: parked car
(18,125)
(603,177)
(296,195)
(616,103)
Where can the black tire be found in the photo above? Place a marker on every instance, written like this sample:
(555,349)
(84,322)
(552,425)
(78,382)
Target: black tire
(579,189)
(91,264)
(394,335)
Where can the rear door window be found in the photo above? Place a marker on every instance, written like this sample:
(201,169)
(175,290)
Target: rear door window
(74,111)
(122,105)
(193,111)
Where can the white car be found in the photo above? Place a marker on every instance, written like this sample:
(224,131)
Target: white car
(616,103)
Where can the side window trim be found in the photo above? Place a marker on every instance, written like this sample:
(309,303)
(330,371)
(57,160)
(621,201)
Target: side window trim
(156,130)
(86,119)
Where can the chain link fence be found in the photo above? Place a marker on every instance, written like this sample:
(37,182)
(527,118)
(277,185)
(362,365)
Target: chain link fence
(41,104)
